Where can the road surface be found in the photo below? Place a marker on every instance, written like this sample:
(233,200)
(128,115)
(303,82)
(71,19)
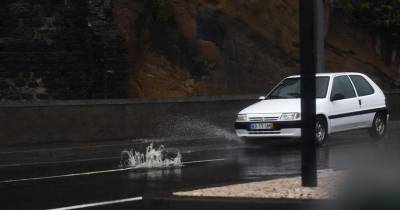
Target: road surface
(90,177)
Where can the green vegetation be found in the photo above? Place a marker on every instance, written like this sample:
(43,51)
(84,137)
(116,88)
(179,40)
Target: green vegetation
(382,17)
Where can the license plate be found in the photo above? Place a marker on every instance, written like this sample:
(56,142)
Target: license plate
(261,126)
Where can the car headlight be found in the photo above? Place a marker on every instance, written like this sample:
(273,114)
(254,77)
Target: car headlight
(290,116)
(241,117)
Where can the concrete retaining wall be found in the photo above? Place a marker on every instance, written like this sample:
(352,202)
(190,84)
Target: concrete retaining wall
(77,121)
(99,120)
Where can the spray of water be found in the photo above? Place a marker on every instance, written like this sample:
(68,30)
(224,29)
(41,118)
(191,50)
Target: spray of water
(196,127)
(152,158)
(210,129)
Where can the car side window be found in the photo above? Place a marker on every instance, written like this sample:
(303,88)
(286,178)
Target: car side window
(342,85)
(362,85)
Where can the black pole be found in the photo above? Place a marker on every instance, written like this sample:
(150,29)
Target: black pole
(308,67)
(319,20)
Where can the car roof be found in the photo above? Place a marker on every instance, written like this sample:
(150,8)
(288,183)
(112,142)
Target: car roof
(329,74)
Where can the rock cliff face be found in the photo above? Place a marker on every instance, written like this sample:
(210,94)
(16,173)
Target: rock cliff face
(210,47)
(182,48)
(64,49)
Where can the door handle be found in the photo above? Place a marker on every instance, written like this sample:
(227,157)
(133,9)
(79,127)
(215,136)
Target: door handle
(359,102)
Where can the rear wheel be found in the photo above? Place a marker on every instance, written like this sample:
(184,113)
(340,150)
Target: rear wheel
(378,129)
(321,131)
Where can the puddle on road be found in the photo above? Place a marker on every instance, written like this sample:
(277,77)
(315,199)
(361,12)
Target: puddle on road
(151,158)
(157,174)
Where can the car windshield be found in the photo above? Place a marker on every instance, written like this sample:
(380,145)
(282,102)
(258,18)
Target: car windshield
(290,88)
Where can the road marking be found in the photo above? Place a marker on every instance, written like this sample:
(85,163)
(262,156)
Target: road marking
(98,172)
(66,175)
(100,203)
(204,161)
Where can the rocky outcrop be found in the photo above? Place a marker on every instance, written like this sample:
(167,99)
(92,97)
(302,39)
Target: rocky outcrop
(228,47)
(165,48)
(60,50)
(351,48)
(220,49)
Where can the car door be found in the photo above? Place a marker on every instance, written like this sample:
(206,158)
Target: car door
(344,105)
(367,99)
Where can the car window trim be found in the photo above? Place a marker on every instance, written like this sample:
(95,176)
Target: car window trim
(354,86)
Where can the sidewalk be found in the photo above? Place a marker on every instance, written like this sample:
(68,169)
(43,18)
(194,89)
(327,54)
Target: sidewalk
(283,188)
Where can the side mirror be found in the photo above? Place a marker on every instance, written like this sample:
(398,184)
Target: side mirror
(262,97)
(337,97)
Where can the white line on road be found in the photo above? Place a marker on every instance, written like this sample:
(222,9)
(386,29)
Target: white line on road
(99,203)
(204,161)
(97,172)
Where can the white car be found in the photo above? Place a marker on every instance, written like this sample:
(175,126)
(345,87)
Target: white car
(345,101)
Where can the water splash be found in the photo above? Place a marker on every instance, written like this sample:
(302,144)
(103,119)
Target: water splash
(152,158)
(201,128)
(212,129)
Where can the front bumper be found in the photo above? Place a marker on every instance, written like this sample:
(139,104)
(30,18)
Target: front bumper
(282,129)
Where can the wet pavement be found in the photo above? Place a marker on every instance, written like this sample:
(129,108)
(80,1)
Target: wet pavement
(44,178)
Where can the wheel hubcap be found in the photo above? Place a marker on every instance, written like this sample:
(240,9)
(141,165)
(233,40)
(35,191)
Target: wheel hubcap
(320,132)
(379,125)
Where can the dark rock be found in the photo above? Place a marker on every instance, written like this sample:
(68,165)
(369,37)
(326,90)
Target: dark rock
(52,40)
(19,82)
(12,97)
(33,84)
(20,9)
(42,96)
(4,85)
(26,96)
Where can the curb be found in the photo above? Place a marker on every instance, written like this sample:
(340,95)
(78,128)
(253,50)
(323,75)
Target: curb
(170,202)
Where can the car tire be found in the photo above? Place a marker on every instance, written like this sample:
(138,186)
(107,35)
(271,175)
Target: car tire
(321,131)
(379,126)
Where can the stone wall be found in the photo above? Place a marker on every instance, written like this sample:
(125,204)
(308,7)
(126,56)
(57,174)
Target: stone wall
(60,49)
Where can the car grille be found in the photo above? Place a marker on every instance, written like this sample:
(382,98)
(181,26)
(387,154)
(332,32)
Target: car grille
(263,119)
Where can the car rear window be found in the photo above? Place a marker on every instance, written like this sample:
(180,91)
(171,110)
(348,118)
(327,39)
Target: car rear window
(362,85)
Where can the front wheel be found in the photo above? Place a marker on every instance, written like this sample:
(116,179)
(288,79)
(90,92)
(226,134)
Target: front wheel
(378,129)
(321,131)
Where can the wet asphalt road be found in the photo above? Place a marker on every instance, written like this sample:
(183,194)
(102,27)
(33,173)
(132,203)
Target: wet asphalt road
(45,178)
